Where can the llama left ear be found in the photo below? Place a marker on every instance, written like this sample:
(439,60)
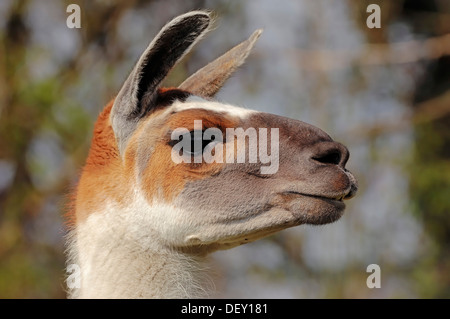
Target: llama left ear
(207,81)
(138,94)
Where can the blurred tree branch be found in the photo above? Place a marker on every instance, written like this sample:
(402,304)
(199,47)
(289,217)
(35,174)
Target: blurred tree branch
(385,54)
(425,112)
(374,54)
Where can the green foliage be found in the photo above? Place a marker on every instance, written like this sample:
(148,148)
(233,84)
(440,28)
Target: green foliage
(430,190)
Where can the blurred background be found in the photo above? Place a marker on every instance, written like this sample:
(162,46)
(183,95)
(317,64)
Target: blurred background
(383,92)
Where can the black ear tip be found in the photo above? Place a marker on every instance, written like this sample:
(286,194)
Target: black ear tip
(189,26)
(201,19)
(200,14)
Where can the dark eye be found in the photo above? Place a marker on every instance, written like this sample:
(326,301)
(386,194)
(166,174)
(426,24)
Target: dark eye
(198,142)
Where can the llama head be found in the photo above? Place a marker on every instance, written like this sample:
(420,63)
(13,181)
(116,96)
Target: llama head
(211,175)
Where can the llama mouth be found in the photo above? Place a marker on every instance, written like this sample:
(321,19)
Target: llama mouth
(339,198)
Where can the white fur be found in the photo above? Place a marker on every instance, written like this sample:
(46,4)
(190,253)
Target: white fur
(195,102)
(122,254)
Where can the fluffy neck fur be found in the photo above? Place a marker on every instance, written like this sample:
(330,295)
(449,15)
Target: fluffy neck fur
(114,265)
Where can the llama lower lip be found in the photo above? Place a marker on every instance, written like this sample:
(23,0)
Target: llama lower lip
(338,199)
(313,209)
(295,199)
(337,203)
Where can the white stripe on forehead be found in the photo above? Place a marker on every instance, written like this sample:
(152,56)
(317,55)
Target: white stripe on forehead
(195,102)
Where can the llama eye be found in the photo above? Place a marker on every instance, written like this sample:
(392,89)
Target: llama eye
(198,143)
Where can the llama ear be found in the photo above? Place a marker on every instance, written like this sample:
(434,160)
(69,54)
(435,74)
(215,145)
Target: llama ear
(138,94)
(208,80)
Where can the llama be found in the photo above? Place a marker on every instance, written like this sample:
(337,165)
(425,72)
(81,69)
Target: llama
(143,225)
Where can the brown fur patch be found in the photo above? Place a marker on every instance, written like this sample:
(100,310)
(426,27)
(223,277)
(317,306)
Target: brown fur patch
(103,175)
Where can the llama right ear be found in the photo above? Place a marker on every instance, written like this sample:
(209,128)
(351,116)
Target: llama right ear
(138,94)
(208,80)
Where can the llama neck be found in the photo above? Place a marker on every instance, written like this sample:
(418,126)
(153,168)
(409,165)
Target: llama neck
(115,265)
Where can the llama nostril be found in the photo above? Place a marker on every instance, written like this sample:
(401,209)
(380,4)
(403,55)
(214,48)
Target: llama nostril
(331,153)
(332,157)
